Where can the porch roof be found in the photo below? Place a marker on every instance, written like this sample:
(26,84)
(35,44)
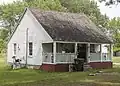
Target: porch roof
(69,26)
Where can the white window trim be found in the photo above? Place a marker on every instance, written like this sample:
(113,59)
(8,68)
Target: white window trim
(30,56)
(15,54)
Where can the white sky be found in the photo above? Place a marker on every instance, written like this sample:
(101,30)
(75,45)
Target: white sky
(6,1)
(111,12)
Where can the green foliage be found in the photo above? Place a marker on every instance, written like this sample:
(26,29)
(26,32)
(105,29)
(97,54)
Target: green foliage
(3,38)
(87,7)
(2,45)
(114,27)
(10,13)
(46,4)
(3,34)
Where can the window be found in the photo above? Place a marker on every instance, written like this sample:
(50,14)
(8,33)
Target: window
(15,48)
(92,48)
(30,48)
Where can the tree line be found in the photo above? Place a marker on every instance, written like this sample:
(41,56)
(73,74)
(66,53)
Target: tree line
(10,14)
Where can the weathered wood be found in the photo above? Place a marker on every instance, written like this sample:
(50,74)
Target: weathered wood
(88,52)
(54,51)
(76,50)
(111,51)
(101,52)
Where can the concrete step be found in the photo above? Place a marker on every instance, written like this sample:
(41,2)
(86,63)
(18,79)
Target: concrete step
(87,67)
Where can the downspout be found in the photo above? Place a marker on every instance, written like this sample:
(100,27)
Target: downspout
(26,47)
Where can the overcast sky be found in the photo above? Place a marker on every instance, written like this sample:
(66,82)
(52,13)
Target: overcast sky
(6,1)
(111,11)
(114,11)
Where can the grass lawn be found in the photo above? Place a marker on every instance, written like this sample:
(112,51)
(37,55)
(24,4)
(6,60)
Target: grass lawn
(29,77)
(116,59)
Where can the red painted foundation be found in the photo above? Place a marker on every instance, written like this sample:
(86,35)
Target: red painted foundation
(101,65)
(65,67)
(55,67)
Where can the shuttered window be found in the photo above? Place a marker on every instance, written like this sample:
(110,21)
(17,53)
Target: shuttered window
(15,48)
(30,48)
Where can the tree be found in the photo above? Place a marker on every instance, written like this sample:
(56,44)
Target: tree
(87,7)
(3,34)
(2,45)
(10,13)
(114,27)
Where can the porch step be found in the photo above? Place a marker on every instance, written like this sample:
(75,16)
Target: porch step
(87,67)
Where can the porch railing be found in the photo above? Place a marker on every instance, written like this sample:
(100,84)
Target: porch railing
(60,57)
(47,57)
(66,57)
(106,57)
(97,57)
(69,57)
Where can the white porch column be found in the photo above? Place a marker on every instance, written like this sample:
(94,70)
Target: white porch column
(54,51)
(88,52)
(76,50)
(111,51)
(101,52)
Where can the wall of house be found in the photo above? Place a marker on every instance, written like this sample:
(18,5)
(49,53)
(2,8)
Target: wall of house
(36,34)
(55,67)
(65,67)
(101,65)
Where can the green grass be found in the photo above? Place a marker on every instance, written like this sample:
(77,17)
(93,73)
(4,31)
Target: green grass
(29,77)
(116,59)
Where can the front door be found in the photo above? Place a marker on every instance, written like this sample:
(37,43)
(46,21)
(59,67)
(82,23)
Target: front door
(82,51)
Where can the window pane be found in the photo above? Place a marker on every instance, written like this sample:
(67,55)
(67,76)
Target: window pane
(30,48)
(92,48)
(15,47)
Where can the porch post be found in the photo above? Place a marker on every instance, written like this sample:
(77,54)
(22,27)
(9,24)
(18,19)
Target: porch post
(111,51)
(88,52)
(54,51)
(76,50)
(101,52)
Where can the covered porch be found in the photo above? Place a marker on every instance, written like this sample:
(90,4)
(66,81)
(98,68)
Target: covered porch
(59,52)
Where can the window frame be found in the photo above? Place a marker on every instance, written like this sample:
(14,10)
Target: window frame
(92,48)
(30,48)
(14,48)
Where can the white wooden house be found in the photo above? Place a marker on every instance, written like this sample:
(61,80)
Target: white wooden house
(51,40)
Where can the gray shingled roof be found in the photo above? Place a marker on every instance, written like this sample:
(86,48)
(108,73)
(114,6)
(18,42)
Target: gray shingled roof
(69,27)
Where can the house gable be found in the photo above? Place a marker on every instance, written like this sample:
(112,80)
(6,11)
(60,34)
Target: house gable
(26,12)
(36,34)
